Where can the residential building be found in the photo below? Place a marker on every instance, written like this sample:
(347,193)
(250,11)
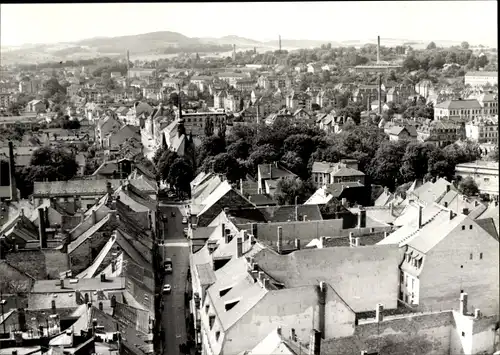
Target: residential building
(5,100)
(465,254)
(458,110)
(424,88)
(481,78)
(296,100)
(482,130)
(245,84)
(489,103)
(484,173)
(172,83)
(232,78)
(29,86)
(141,73)
(268,176)
(440,132)
(324,173)
(35,106)
(397,133)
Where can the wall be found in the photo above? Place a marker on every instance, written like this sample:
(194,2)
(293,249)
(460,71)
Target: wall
(56,262)
(291,308)
(83,256)
(31,262)
(339,317)
(267,233)
(477,277)
(416,335)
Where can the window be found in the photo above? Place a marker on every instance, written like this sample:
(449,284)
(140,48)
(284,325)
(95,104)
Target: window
(463,228)
(229,305)
(211,321)
(480,256)
(217,335)
(224,291)
(470,256)
(470,227)
(463,334)
(207,307)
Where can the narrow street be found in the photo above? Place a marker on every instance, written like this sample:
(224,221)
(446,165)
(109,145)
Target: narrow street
(176,247)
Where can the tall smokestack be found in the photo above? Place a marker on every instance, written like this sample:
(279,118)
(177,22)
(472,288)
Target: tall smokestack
(128,69)
(280,43)
(12,173)
(380,95)
(378,49)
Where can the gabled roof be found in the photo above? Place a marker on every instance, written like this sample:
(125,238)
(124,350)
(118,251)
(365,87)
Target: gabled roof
(72,187)
(271,171)
(348,172)
(88,233)
(459,104)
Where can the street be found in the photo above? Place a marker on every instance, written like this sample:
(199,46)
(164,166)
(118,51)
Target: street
(176,247)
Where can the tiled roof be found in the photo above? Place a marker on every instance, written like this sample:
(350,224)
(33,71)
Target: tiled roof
(88,233)
(92,284)
(488,224)
(482,73)
(459,104)
(206,274)
(336,189)
(348,172)
(72,187)
(270,171)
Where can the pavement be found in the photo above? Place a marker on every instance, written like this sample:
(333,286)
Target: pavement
(175,247)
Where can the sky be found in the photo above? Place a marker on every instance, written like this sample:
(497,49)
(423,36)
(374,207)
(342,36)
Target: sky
(472,21)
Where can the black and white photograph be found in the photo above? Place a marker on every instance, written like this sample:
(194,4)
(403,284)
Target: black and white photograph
(249,178)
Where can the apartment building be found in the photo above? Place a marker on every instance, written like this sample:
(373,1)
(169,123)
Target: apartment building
(484,173)
(440,132)
(324,173)
(458,110)
(482,130)
(481,78)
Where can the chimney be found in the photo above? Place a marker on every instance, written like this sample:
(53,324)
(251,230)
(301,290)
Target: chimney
(280,240)
(391,207)
(380,95)
(356,242)
(12,173)
(465,211)
(239,247)
(344,202)
(315,342)
(446,204)
(362,218)
(21,318)
(100,306)
(463,303)
(322,241)
(420,208)
(451,215)
(54,310)
(266,283)
(109,188)
(241,186)
(297,244)
(477,313)
(103,277)
(279,43)
(261,276)
(378,49)
(385,234)
(61,282)
(448,188)
(278,331)
(41,228)
(379,316)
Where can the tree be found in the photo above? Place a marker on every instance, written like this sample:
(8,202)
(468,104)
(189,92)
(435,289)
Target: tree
(384,167)
(226,164)
(411,63)
(239,149)
(264,154)
(464,45)
(209,127)
(287,190)
(414,163)
(180,176)
(468,187)
(431,45)
(210,147)
(164,159)
(47,164)
(481,61)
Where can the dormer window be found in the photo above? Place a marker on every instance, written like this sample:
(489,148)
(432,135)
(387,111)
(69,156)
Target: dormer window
(207,307)
(211,321)
(229,305)
(224,291)
(217,335)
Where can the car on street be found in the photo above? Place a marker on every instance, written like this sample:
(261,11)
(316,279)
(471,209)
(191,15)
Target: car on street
(184,220)
(173,214)
(168,269)
(167,289)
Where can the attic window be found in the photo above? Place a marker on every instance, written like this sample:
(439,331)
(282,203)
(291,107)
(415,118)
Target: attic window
(211,321)
(229,305)
(224,291)
(481,256)
(470,227)
(207,307)
(217,335)
(463,228)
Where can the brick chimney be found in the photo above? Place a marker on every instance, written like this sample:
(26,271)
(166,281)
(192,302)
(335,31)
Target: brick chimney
(279,243)
(379,316)
(93,217)
(239,247)
(297,243)
(362,218)
(21,319)
(42,235)
(463,303)
(12,173)
(315,342)
(109,188)
(465,211)
(420,208)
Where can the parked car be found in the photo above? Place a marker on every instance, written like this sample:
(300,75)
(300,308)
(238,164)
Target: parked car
(168,269)
(167,289)
(184,220)
(173,214)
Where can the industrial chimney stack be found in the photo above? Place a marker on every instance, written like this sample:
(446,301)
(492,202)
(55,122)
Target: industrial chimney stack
(279,44)
(380,95)
(128,69)
(378,49)
(12,173)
